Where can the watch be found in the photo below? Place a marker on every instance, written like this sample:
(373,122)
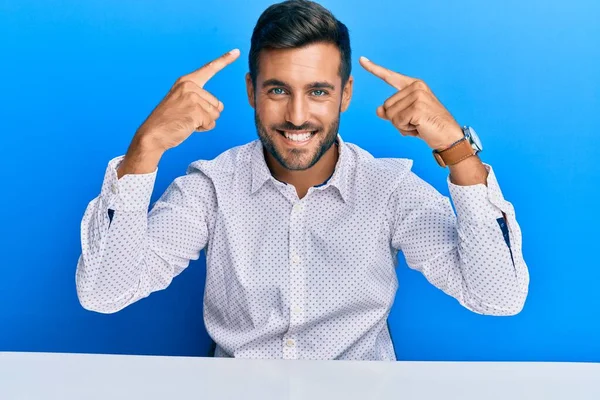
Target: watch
(464,148)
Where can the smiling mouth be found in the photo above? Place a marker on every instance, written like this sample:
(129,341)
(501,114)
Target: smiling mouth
(296,137)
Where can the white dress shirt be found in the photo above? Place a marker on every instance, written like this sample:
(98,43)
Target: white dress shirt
(310,278)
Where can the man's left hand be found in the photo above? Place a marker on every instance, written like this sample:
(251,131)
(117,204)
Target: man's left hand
(414,110)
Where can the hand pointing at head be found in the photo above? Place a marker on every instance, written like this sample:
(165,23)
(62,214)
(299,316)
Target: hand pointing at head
(186,108)
(414,110)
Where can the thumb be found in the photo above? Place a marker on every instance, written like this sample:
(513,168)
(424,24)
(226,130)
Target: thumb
(381,112)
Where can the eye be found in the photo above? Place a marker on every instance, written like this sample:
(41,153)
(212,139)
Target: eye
(319,93)
(277,91)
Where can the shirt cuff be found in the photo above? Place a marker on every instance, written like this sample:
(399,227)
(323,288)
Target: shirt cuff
(479,202)
(130,193)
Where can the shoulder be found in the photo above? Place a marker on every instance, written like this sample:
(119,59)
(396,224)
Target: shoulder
(207,175)
(225,163)
(388,170)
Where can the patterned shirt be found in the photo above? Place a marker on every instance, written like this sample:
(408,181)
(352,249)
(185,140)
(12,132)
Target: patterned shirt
(310,278)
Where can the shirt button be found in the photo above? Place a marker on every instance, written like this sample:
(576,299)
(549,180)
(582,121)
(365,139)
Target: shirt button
(290,343)
(298,207)
(296,310)
(295,258)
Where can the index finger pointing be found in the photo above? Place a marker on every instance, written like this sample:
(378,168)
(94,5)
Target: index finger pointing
(206,72)
(395,79)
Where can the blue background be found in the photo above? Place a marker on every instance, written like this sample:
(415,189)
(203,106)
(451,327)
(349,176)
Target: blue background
(77,79)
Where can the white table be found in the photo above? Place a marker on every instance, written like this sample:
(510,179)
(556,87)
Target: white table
(37,376)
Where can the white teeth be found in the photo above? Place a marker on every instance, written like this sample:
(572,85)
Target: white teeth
(298,137)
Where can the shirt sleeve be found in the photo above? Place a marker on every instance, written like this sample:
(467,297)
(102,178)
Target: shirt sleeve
(473,255)
(128,252)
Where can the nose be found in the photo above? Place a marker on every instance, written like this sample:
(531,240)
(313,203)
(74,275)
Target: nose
(297,110)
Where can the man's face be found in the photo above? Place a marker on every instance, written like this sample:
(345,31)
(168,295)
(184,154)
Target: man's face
(297,102)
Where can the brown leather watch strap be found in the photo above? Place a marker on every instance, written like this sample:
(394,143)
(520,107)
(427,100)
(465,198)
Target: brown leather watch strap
(455,154)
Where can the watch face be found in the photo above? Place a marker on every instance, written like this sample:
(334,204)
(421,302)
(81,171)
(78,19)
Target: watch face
(475,141)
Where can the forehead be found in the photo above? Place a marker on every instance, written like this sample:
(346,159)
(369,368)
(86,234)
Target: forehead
(312,63)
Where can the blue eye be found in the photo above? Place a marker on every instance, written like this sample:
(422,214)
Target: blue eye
(319,93)
(278,91)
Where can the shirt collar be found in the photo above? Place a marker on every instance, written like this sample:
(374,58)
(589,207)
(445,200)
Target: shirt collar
(339,179)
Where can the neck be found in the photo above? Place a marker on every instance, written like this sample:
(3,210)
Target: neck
(303,180)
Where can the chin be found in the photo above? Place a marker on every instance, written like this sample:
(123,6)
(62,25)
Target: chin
(297,150)
(301,156)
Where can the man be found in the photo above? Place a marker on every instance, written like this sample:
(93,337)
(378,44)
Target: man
(301,230)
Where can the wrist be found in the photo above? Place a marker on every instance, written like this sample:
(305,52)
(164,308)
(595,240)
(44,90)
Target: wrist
(468,172)
(151,144)
(142,157)
(148,142)
(451,139)
(464,147)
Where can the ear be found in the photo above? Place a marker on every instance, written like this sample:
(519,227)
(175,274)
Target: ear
(347,94)
(250,90)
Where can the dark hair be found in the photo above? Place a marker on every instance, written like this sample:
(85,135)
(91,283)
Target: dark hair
(297,23)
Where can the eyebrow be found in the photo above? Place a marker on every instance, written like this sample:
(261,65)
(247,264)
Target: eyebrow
(312,85)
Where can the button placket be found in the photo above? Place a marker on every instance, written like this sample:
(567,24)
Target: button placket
(297,279)
(290,350)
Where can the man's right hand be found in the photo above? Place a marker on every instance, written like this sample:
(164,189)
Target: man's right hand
(185,109)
